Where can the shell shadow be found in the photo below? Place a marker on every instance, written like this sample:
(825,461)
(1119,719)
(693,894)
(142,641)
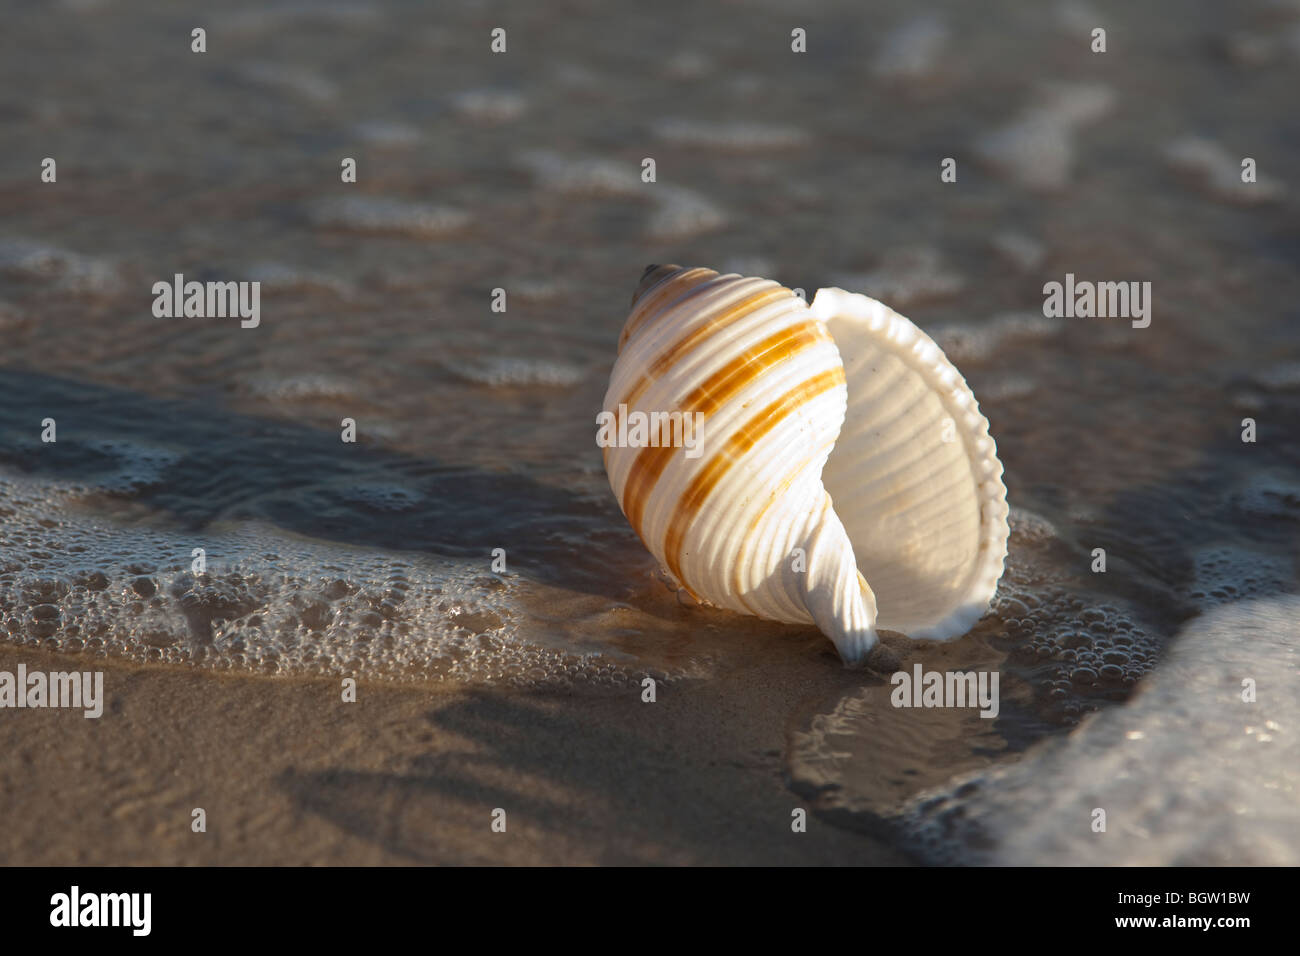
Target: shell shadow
(195,463)
(583,776)
(511,766)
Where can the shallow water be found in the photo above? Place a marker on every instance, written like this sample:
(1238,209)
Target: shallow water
(521,171)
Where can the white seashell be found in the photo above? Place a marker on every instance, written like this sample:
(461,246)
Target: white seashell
(838,431)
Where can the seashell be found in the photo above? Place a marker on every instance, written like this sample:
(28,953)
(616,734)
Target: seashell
(841,473)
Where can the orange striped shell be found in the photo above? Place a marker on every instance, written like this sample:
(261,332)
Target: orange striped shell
(784,507)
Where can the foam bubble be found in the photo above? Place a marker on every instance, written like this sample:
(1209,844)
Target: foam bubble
(376,214)
(1250,48)
(730,136)
(1145,764)
(582,175)
(1270,495)
(1030,528)
(67,271)
(1217,171)
(140,465)
(912,50)
(1036,148)
(1077,645)
(269,602)
(1279,377)
(1007,388)
(300,387)
(296,81)
(539,288)
(687,65)
(382,496)
(966,342)
(1023,252)
(386,133)
(906,275)
(678,213)
(488,106)
(1224,573)
(681,214)
(507,371)
(1075,17)
(280,277)
(1061,650)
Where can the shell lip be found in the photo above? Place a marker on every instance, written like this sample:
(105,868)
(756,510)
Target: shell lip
(911,343)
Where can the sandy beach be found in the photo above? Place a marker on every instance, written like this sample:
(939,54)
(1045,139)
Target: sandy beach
(290,775)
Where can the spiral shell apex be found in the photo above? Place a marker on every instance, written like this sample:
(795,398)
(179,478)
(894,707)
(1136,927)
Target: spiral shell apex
(820,464)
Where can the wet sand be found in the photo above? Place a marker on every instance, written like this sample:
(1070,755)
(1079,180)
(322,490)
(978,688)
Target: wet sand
(289,774)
